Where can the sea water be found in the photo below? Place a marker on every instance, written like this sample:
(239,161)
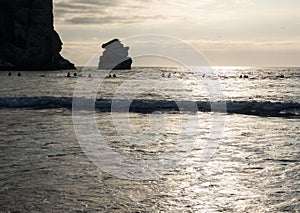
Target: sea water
(172,160)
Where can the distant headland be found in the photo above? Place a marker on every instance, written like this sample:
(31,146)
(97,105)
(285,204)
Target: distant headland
(115,56)
(28,40)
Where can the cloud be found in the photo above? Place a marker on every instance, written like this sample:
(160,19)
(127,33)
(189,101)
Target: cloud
(100,12)
(244,1)
(79,3)
(111,19)
(91,12)
(218,27)
(239,45)
(68,9)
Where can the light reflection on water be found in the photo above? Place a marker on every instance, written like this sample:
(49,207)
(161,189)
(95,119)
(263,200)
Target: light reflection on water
(254,169)
(263,83)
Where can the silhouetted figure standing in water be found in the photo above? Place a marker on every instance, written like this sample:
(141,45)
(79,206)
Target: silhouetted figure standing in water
(169,75)
(114,75)
(75,74)
(9,74)
(19,74)
(163,75)
(241,76)
(68,75)
(109,76)
(90,75)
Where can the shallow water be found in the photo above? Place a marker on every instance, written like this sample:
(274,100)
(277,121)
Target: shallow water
(254,168)
(56,160)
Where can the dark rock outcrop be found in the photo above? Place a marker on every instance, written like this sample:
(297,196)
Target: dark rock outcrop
(28,40)
(115,56)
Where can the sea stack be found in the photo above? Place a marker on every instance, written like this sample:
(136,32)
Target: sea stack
(28,40)
(115,56)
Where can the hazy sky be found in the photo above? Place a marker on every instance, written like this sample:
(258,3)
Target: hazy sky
(228,32)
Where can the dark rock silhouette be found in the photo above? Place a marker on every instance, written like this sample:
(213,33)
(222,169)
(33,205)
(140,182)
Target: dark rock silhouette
(28,40)
(115,56)
(110,42)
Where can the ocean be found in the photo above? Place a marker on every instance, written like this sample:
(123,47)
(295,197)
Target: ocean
(153,139)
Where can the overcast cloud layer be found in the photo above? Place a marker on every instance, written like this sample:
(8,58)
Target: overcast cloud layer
(232,32)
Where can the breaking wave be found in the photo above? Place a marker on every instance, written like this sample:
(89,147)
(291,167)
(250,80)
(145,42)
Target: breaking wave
(260,108)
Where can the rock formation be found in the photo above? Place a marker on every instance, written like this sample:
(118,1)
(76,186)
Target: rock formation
(115,56)
(28,40)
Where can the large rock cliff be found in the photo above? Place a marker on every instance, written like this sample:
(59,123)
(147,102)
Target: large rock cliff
(115,56)
(28,40)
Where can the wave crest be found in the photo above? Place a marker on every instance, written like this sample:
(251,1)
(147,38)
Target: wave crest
(260,108)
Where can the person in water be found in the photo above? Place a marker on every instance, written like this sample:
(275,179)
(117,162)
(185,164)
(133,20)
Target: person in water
(109,76)
(9,74)
(169,76)
(163,75)
(19,74)
(75,74)
(244,76)
(90,75)
(68,75)
(114,75)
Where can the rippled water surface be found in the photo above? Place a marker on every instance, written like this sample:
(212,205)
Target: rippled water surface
(54,160)
(192,83)
(254,167)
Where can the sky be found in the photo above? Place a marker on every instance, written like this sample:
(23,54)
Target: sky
(226,32)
